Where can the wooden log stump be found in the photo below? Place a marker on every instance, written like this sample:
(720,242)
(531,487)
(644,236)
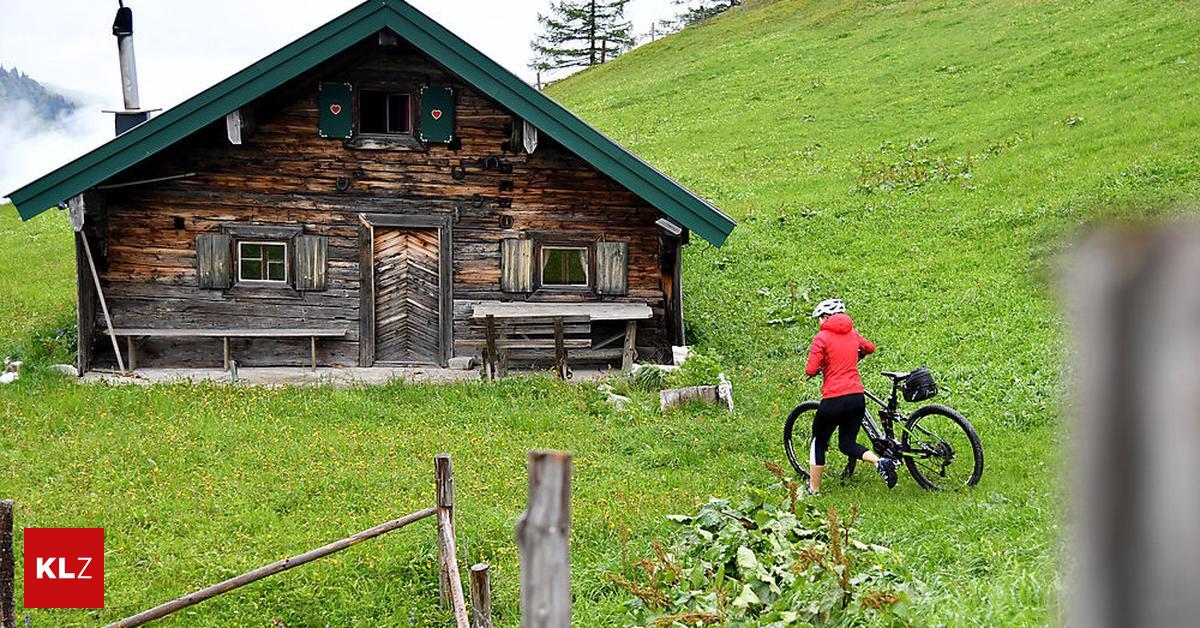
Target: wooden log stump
(481,596)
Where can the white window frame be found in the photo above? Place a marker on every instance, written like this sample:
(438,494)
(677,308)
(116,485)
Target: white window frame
(287,270)
(587,272)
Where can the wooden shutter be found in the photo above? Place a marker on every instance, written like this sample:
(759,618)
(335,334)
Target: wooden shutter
(336,102)
(310,259)
(612,268)
(437,114)
(516,265)
(214,261)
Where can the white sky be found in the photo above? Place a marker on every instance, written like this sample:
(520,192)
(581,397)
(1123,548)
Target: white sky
(185,46)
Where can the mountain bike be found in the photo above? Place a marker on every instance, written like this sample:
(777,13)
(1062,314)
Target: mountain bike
(937,444)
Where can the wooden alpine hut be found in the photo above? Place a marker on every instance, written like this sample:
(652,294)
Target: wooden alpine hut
(377,192)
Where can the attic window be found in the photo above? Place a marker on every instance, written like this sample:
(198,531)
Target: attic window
(384,113)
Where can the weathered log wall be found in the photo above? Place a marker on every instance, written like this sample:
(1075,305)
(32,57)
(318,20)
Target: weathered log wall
(284,173)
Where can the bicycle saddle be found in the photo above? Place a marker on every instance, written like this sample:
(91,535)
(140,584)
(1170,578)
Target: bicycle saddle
(896,376)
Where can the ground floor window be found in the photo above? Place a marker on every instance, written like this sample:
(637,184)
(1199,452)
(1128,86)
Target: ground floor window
(565,266)
(262,262)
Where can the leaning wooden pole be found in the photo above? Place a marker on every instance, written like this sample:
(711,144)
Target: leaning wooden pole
(543,541)
(78,215)
(8,606)
(448,577)
(159,612)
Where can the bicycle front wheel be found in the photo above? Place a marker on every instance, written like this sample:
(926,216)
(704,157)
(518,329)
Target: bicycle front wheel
(798,438)
(941,449)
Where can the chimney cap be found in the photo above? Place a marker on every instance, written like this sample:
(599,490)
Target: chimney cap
(123,25)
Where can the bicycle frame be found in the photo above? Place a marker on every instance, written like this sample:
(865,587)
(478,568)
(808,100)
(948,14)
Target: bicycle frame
(882,435)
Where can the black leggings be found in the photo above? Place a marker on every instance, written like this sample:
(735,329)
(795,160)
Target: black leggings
(845,414)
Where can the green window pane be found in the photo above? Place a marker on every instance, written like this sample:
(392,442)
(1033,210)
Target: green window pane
(252,270)
(251,251)
(276,271)
(564,267)
(575,267)
(552,270)
(275,252)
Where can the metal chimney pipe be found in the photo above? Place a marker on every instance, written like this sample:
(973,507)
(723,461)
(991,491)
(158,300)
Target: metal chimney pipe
(123,30)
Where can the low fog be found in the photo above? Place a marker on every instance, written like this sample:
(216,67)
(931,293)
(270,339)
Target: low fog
(30,146)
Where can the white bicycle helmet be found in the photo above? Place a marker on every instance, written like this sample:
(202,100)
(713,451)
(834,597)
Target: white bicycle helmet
(829,307)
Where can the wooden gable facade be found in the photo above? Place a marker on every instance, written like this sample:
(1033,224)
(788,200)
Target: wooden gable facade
(377,197)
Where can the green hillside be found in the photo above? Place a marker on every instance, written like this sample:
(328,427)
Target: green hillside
(928,161)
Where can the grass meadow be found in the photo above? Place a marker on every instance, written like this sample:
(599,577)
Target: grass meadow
(929,161)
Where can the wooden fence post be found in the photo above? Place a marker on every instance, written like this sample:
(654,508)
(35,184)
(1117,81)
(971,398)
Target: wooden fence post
(8,610)
(481,596)
(543,541)
(450,584)
(1135,534)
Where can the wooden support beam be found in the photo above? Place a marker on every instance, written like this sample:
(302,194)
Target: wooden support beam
(560,349)
(543,541)
(450,583)
(8,607)
(131,347)
(481,596)
(491,357)
(269,570)
(228,354)
(630,353)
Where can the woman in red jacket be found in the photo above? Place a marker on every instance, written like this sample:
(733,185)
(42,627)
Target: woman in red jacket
(835,353)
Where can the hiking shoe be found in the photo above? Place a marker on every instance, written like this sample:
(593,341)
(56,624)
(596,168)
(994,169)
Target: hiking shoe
(887,470)
(811,493)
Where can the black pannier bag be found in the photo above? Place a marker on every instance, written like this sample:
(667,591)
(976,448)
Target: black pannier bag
(920,386)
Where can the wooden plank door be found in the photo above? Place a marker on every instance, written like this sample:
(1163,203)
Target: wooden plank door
(407,297)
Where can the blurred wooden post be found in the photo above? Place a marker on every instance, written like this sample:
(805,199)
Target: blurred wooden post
(450,588)
(481,596)
(1135,542)
(543,540)
(8,610)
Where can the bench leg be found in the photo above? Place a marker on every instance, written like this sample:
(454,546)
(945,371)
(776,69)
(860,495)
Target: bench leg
(630,353)
(313,340)
(131,346)
(560,351)
(228,356)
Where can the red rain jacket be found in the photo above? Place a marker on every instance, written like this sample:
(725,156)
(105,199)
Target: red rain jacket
(835,353)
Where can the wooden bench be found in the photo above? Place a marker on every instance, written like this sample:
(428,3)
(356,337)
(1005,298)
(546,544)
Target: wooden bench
(133,335)
(529,337)
(629,313)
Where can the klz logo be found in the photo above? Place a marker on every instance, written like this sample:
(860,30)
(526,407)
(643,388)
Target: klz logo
(64,567)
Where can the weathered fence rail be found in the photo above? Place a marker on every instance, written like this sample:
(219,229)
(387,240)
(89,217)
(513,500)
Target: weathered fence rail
(451,585)
(543,540)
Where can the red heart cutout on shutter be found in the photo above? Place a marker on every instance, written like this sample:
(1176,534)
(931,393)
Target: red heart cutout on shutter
(335,109)
(436,113)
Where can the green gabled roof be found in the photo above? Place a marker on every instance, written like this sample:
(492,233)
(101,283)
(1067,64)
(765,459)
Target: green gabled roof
(352,27)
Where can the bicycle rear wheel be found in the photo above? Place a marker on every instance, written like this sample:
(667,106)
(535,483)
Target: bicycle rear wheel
(941,449)
(797,436)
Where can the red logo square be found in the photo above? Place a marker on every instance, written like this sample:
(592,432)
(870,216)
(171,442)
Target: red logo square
(64,567)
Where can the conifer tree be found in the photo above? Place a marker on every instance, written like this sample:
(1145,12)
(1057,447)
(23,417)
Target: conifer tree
(581,33)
